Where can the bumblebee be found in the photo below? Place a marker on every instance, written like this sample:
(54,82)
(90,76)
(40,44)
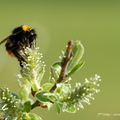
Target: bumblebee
(22,36)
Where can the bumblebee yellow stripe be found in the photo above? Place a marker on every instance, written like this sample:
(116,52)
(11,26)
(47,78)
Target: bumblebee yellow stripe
(26,27)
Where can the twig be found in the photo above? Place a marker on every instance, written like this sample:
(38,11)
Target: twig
(66,59)
(35,104)
(64,64)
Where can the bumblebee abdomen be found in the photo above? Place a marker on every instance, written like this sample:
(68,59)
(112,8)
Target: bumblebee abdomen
(10,53)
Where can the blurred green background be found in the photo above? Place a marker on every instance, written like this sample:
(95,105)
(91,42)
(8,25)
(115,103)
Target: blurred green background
(96,23)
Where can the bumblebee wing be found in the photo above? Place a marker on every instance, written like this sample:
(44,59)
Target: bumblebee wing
(6,38)
(9,37)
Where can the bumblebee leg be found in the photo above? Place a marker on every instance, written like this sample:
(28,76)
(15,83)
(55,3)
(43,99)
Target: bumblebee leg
(26,43)
(19,57)
(17,54)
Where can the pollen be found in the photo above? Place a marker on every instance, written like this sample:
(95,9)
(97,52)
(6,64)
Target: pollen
(25,27)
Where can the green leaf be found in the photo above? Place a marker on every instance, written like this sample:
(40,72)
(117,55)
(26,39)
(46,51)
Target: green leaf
(59,107)
(47,86)
(27,106)
(43,96)
(63,89)
(54,97)
(59,88)
(76,68)
(55,72)
(57,66)
(78,51)
(71,108)
(31,116)
(24,92)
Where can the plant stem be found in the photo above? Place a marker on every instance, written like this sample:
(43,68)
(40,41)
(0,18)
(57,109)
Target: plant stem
(64,64)
(35,104)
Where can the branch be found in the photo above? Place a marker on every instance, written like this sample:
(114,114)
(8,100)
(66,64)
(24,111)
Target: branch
(35,104)
(64,64)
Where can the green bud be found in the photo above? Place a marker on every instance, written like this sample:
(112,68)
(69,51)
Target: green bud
(76,68)
(42,96)
(78,51)
(55,71)
(47,86)
(27,106)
